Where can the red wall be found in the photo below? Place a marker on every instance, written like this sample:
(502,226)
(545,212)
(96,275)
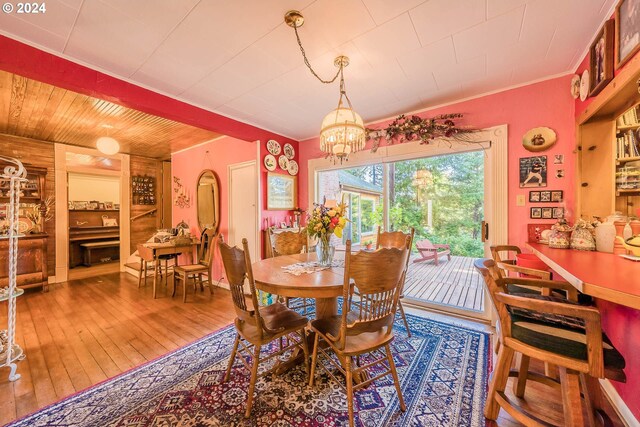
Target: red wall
(187,165)
(622,324)
(548,103)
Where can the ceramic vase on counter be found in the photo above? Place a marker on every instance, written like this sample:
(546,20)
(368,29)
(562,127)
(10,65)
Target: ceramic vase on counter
(605,236)
(581,237)
(560,235)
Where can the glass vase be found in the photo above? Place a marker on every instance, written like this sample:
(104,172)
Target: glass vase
(325,251)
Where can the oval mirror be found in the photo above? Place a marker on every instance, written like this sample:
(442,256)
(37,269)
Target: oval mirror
(208,201)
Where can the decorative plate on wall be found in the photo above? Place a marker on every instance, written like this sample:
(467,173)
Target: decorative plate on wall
(289,151)
(575,86)
(293,167)
(585,83)
(539,139)
(273,147)
(283,162)
(270,162)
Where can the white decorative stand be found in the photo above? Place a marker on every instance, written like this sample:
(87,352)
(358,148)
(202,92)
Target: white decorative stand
(10,352)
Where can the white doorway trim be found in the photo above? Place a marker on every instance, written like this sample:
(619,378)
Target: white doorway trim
(493,140)
(231,239)
(62,204)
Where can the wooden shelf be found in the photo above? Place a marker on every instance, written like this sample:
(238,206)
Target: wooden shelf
(94,210)
(630,191)
(627,160)
(628,127)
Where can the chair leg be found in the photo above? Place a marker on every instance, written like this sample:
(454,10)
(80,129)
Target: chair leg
(314,357)
(145,273)
(254,377)
(232,358)
(348,368)
(404,318)
(570,386)
(498,382)
(523,371)
(140,273)
(587,400)
(184,287)
(396,380)
(305,350)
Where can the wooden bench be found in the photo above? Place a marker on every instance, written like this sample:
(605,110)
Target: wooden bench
(429,251)
(88,247)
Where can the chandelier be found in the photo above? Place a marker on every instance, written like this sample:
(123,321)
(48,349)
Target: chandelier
(342,131)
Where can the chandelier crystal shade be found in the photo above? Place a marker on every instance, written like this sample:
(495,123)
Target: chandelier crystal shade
(107,145)
(342,131)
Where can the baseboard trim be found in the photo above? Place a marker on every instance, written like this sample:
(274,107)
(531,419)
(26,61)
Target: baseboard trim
(621,408)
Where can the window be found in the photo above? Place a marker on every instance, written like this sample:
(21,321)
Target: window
(367,219)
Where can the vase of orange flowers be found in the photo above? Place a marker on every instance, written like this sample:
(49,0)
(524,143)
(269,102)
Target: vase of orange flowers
(323,221)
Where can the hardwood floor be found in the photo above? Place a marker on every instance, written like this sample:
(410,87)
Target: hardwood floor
(85,331)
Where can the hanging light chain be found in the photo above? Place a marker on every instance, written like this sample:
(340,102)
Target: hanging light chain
(306,61)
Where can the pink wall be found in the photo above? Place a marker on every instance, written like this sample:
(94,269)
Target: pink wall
(187,165)
(542,104)
(622,324)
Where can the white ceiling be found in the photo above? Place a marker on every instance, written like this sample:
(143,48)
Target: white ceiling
(239,59)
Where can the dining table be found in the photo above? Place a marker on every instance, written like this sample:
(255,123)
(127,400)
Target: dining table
(324,286)
(170,248)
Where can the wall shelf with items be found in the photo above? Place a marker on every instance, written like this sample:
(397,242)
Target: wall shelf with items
(609,152)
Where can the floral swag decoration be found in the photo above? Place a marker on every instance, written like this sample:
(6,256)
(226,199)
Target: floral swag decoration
(415,128)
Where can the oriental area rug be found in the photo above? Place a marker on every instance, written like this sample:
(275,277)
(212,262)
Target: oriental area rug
(442,369)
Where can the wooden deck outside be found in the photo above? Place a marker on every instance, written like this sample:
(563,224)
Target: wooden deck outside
(454,283)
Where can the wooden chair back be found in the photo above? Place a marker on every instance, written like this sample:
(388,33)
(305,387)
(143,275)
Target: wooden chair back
(237,265)
(207,247)
(145,253)
(377,277)
(288,242)
(395,239)
(490,273)
(505,253)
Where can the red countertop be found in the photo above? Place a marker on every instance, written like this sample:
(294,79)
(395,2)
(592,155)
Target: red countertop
(601,275)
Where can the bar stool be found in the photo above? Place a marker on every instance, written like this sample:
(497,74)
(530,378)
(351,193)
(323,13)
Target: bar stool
(559,332)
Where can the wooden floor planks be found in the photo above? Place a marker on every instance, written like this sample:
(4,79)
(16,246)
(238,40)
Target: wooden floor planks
(453,283)
(85,331)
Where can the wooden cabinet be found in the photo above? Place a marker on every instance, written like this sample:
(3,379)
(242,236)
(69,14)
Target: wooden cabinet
(32,261)
(596,135)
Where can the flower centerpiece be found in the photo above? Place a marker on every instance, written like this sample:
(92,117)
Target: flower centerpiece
(323,221)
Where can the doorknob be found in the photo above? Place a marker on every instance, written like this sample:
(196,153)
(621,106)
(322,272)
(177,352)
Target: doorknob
(484,230)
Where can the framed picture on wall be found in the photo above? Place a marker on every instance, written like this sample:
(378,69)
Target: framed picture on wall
(545,196)
(558,213)
(534,196)
(557,196)
(533,171)
(282,192)
(547,213)
(627,30)
(536,213)
(601,58)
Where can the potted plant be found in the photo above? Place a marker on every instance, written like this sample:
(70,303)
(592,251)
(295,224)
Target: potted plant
(368,244)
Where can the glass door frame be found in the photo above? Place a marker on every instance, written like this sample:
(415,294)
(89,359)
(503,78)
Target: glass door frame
(493,140)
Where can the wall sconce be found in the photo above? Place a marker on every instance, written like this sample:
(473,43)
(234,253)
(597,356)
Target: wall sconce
(181,197)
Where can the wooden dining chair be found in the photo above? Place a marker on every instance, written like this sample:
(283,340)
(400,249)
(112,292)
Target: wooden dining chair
(397,239)
(258,326)
(290,243)
(204,266)
(147,260)
(368,327)
(559,332)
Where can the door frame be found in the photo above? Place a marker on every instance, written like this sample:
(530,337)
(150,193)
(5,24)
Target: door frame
(62,204)
(230,169)
(493,141)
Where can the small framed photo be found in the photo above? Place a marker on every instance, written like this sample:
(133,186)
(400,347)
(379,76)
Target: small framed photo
(558,159)
(108,205)
(557,196)
(545,196)
(627,31)
(116,206)
(101,206)
(560,173)
(92,205)
(80,205)
(71,205)
(536,213)
(534,196)
(558,213)
(601,58)
(547,213)
(533,171)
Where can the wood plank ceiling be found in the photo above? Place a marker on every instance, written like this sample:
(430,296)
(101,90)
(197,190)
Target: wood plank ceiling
(37,110)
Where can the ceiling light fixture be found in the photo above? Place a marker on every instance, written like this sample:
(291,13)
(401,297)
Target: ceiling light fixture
(106,144)
(342,131)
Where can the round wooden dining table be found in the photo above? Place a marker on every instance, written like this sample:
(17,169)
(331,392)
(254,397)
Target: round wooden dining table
(323,286)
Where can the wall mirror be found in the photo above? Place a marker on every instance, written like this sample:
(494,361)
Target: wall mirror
(208,200)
